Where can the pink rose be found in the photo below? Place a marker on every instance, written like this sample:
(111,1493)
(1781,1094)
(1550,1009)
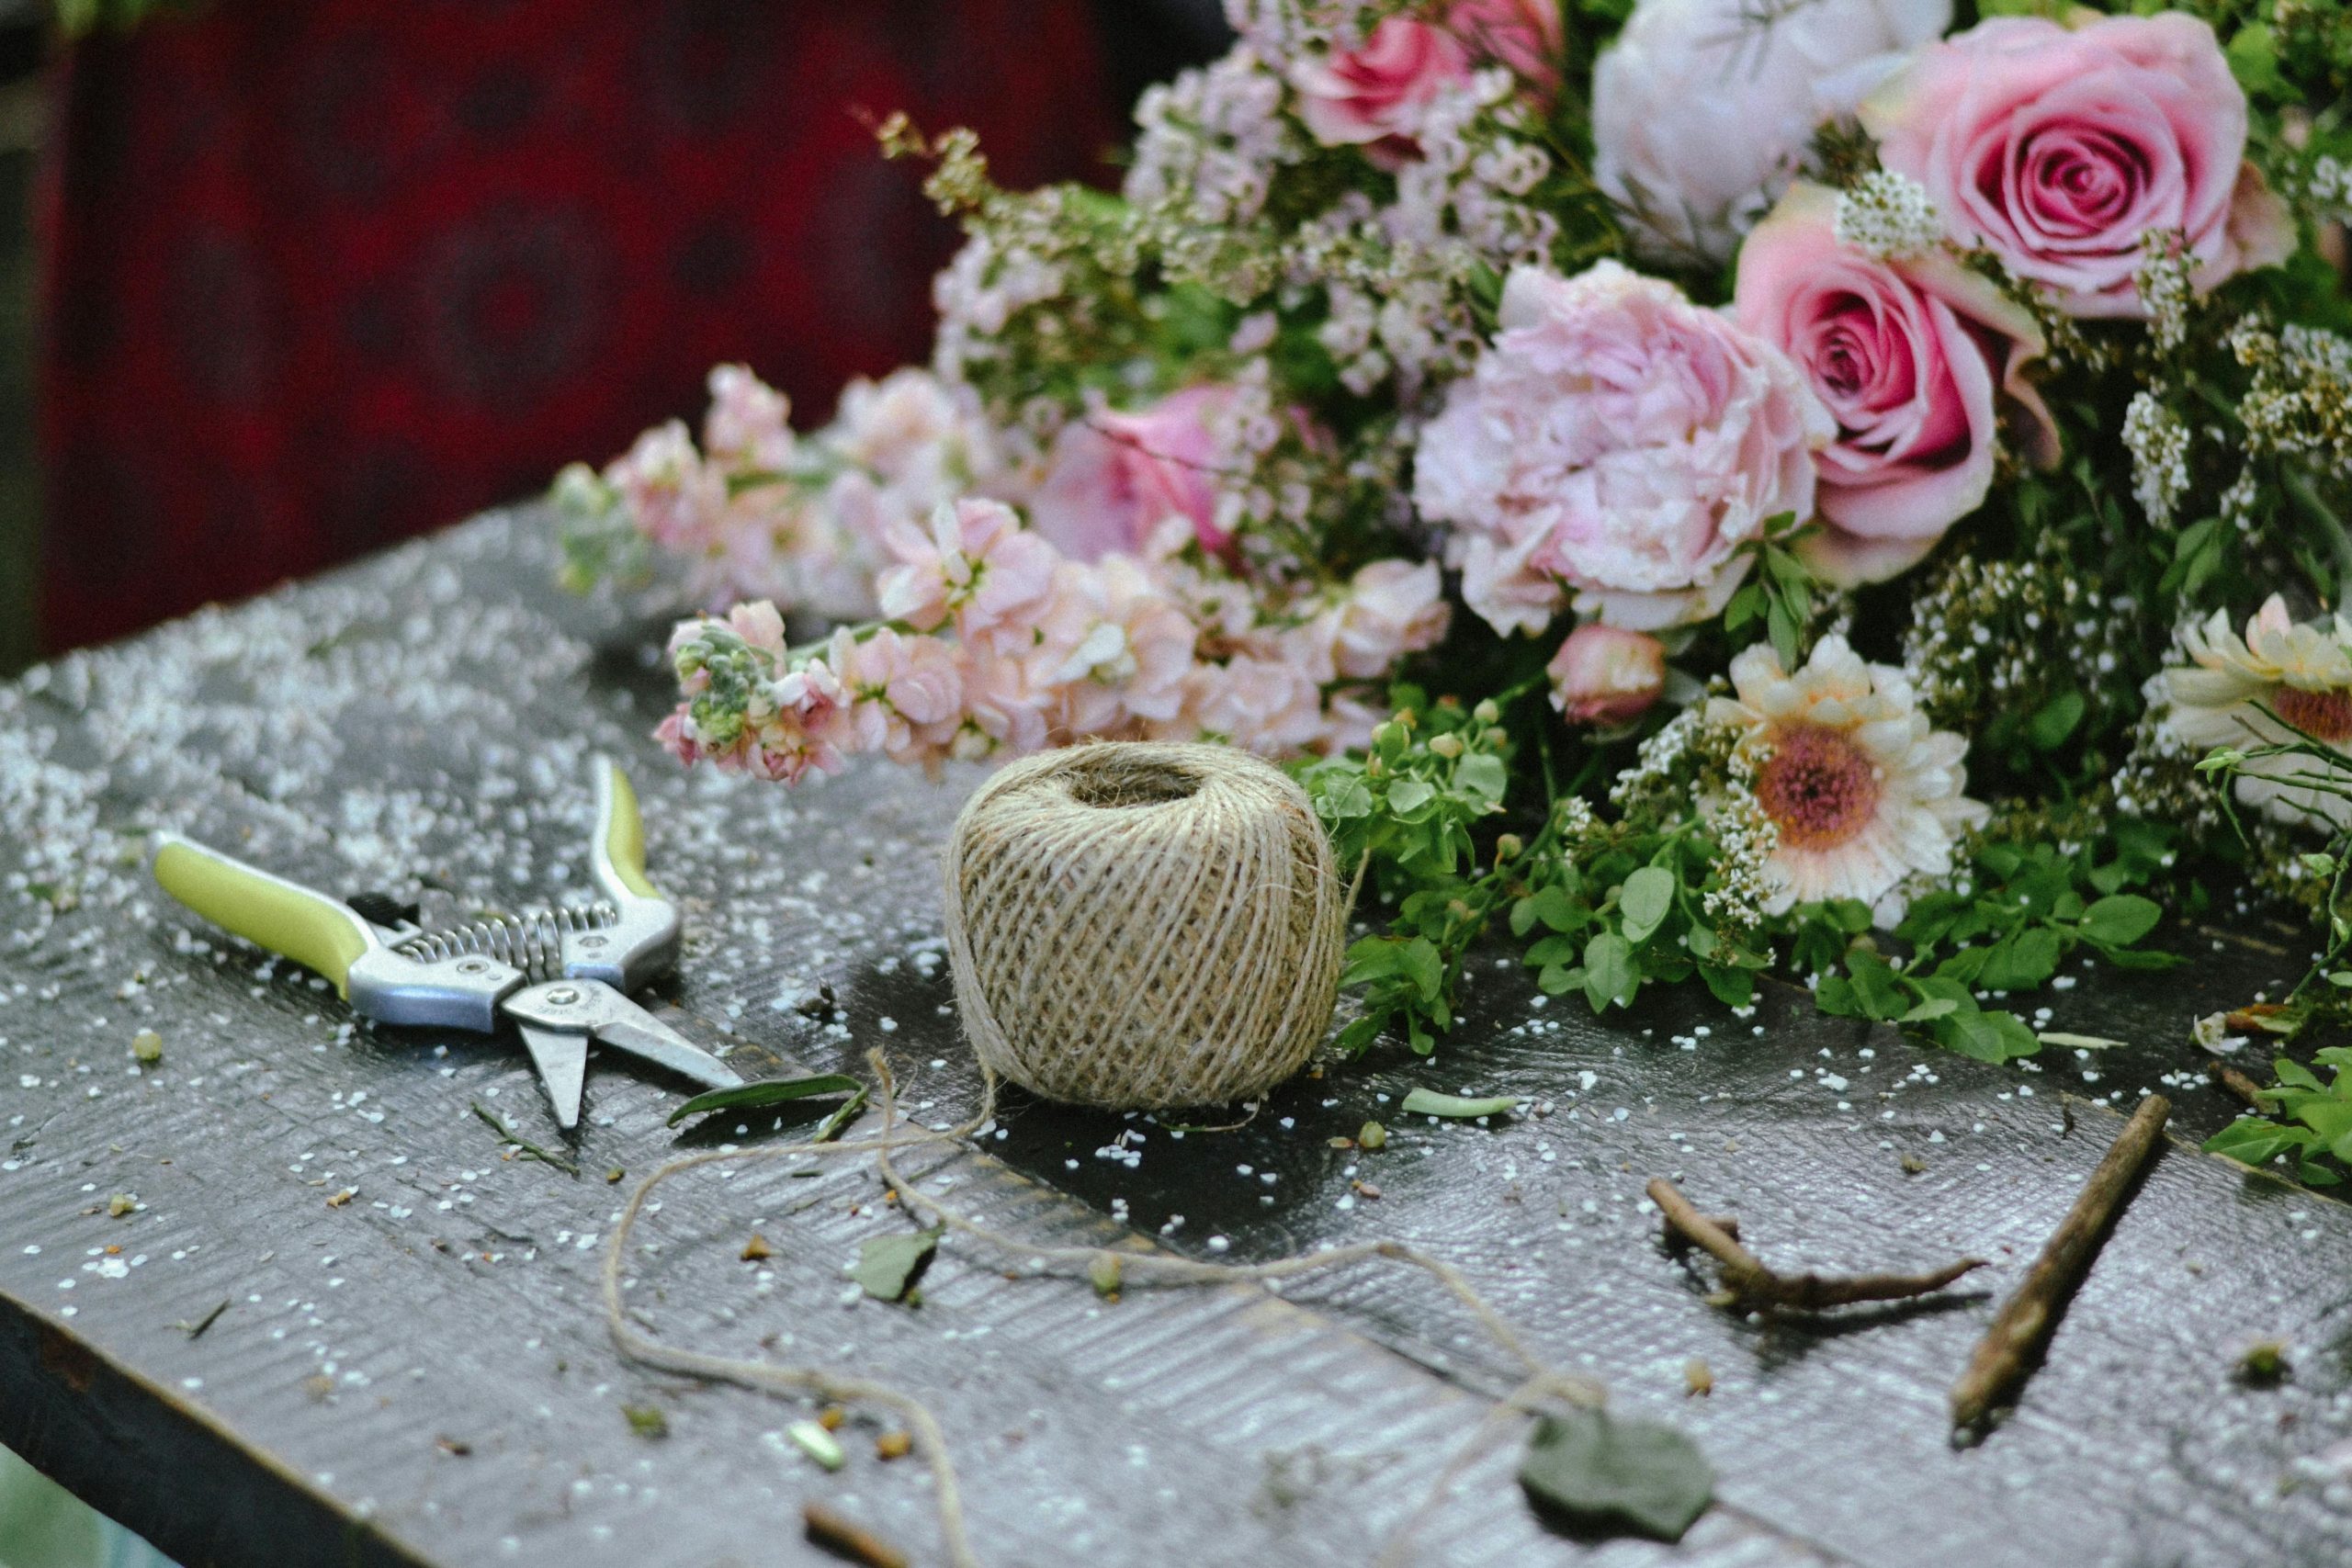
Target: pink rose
(1909,354)
(1523,35)
(1619,440)
(2058,148)
(1113,477)
(1603,675)
(1375,96)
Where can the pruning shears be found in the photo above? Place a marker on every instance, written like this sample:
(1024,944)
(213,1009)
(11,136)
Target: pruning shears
(560,974)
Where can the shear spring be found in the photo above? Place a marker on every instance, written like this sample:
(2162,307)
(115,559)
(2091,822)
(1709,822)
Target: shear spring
(531,941)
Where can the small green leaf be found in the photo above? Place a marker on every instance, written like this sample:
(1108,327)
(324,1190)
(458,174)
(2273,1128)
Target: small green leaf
(1608,970)
(2249,1140)
(1876,990)
(2055,720)
(645,1420)
(1408,796)
(1988,1036)
(1648,897)
(766,1092)
(2120,919)
(888,1265)
(1482,773)
(2021,962)
(1429,1102)
(1932,1008)
(1617,1476)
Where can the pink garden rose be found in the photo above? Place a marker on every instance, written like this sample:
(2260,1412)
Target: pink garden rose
(2057,148)
(1911,355)
(1114,478)
(1375,95)
(1617,440)
(1603,675)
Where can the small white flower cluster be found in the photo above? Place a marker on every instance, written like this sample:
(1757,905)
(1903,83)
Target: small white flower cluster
(2299,404)
(1981,632)
(2166,286)
(1288,29)
(2327,189)
(1887,214)
(1478,162)
(982,290)
(2158,442)
(1211,141)
(1745,839)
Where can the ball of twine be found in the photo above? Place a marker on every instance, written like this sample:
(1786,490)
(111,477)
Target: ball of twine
(1141,924)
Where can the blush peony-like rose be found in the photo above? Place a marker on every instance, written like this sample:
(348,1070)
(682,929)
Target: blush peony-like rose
(2059,149)
(1913,355)
(1617,440)
(1702,110)
(1375,95)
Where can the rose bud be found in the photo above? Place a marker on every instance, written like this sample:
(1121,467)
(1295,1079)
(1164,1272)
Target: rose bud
(1604,675)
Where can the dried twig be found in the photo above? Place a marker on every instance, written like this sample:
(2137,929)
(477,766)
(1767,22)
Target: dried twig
(1748,1283)
(2239,1083)
(847,1539)
(2025,1319)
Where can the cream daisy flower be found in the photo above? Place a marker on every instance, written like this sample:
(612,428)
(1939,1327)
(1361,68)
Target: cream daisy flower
(2303,673)
(1862,790)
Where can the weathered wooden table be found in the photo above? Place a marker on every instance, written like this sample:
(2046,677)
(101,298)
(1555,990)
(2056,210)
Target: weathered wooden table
(419,1372)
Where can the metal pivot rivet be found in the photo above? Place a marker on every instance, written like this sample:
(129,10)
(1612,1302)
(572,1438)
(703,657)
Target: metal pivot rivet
(591,941)
(471,966)
(561,996)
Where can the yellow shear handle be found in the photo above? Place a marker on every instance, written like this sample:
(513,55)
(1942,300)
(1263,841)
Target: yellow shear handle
(284,916)
(620,835)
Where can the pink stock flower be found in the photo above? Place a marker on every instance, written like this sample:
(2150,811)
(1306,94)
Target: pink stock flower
(663,483)
(2057,148)
(1603,675)
(749,423)
(1392,608)
(977,563)
(1616,439)
(905,695)
(1112,649)
(1268,705)
(1375,95)
(1911,354)
(1115,476)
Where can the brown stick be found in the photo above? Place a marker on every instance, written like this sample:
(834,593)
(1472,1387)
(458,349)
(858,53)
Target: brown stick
(845,1538)
(2025,1319)
(1750,1285)
(2239,1083)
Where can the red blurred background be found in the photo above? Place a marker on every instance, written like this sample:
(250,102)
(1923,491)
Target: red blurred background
(317,274)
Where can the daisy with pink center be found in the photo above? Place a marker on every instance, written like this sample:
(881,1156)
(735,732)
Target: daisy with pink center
(2303,673)
(1862,792)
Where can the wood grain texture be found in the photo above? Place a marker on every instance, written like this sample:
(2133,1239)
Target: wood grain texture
(418,1375)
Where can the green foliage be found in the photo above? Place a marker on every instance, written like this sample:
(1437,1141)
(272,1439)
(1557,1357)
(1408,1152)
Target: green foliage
(2027,909)
(1403,813)
(2305,1118)
(75,17)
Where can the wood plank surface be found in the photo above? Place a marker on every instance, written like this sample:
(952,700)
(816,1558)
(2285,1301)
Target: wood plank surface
(419,1374)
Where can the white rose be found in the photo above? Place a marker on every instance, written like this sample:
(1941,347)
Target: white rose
(1702,110)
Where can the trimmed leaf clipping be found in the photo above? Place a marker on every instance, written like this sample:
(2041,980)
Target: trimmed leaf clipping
(1429,1102)
(1620,1477)
(887,1265)
(767,1092)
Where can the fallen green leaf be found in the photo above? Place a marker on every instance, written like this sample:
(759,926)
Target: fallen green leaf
(887,1265)
(1429,1102)
(645,1420)
(850,1110)
(767,1092)
(1636,1477)
(2079,1042)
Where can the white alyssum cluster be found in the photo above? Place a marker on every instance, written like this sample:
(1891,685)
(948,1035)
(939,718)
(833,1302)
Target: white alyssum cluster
(1887,214)
(2167,286)
(1211,140)
(2158,442)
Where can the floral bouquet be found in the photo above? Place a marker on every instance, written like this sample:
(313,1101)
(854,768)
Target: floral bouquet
(1842,487)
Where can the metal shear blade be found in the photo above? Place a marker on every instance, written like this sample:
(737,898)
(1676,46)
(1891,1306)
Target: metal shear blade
(557,1020)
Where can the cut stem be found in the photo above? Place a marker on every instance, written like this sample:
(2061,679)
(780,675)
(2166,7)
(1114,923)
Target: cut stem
(1752,1284)
(2025,1319)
